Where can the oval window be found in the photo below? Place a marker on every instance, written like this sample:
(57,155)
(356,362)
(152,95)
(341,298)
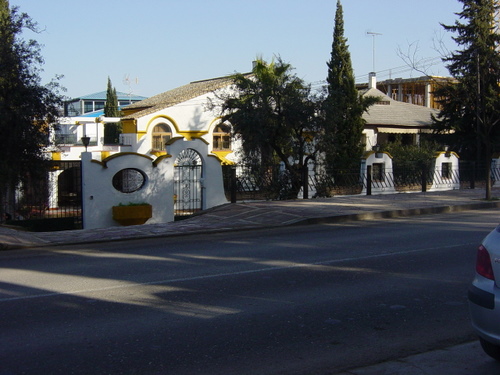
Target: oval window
(129,180)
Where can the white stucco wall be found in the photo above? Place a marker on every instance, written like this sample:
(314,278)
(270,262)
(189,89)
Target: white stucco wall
(379,187)
(99,195)
(441,183)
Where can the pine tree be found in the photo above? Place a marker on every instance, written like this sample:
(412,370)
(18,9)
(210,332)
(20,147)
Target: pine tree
(112,131)
(27,108)
(343,107)
(471,109)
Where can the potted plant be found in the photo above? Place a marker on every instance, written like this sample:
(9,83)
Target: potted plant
(132,213)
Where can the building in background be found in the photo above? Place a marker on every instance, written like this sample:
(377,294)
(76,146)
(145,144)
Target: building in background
(418,91)
(95,102)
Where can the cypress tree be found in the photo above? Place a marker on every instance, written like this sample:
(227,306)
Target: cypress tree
(343,107)
(112,131)
(111,106)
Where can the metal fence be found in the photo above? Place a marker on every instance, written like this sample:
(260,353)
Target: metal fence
(242,182)
(52,200)
(251,182)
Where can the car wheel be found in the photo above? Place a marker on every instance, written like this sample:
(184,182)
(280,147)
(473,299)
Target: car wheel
(491,349)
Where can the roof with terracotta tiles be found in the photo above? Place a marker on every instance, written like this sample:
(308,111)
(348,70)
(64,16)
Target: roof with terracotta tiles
(178,95)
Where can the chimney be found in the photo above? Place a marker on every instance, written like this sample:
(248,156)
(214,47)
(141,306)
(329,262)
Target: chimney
(372,80)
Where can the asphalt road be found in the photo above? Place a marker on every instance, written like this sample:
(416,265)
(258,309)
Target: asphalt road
(298,300)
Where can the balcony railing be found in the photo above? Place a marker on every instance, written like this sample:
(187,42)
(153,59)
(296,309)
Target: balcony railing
(72,140)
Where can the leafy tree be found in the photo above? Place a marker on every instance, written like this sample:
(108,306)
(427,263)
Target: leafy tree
(421,154)
(409,161)
(28,109)
(472,106)
(112,131)
(273,112)
(343,106)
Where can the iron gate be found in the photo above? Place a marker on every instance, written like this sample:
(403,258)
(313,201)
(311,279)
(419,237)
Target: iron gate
(188,198)
(51,200)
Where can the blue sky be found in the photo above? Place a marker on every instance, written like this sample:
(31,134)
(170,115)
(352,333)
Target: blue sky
(162,44)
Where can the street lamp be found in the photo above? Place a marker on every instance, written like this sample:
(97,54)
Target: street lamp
(86,142)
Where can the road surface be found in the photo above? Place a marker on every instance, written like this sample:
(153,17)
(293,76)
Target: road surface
(298,300)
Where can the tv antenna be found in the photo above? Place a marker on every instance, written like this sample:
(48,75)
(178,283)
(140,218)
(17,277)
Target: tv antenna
(373,37)
(128,82)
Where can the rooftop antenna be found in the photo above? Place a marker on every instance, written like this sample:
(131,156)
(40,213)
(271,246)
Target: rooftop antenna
(128,82)
(373,37)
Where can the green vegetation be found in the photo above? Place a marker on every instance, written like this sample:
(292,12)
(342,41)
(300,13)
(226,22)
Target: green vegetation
(343,106)
(28,109)
(274,114)
(112,131)
(471,108)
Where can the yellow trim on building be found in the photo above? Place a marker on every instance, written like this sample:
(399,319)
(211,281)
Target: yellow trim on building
(216,121)
(368,153)
(172,140)
(160,158)
(438,153)
(120,154)
(222,157)
(168,118)
(158,153)
(129,126)
(130,111)
(192,134)
(56,155)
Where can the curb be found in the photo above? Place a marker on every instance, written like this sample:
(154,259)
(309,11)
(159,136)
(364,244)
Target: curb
(399,213)
(307,221)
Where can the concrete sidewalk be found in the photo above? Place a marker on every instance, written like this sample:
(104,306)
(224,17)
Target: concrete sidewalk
(267,214)
(464,359)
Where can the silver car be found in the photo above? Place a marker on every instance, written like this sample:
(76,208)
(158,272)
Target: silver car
(484,294)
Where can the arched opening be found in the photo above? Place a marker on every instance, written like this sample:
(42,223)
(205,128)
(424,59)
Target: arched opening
(162,133)
(188,173)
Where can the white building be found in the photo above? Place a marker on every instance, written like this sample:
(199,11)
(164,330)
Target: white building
(389,117)
(172,148)
(169,156)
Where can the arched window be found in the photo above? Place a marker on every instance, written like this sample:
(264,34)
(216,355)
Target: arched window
(222,138)
(161,135)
